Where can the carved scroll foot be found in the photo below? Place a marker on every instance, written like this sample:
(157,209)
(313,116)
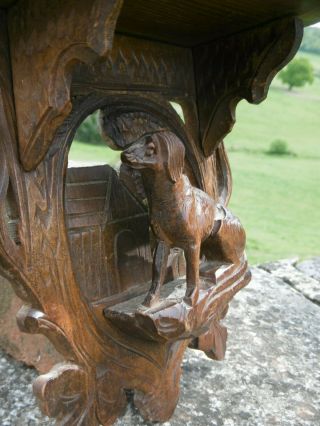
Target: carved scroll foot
(160,404)
(75,397)
(62,394)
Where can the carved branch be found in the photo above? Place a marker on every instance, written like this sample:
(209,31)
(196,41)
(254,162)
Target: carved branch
(35,322)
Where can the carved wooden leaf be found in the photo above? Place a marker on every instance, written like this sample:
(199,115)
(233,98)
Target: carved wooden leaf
(62,394)
(111,399)
(214,342)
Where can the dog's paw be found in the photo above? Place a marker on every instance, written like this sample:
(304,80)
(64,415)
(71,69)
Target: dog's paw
(150,300)
(191,297)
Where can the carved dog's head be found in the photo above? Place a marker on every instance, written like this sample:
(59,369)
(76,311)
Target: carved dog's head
(161,151)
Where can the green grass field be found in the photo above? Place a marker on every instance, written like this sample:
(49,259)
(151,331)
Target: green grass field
(276,198)
(292,116)
(84,152)
(278,201)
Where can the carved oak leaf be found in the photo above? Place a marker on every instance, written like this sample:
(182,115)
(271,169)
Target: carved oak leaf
(240,67)
(62,394)
(111,399)
(214,342)
(48,39)
(157,403)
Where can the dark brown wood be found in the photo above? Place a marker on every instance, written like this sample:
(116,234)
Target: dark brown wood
(106,223)
(239,67)
(48,39)
(83,246)
(188,23)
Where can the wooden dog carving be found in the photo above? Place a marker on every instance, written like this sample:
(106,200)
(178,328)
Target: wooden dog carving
(181,215)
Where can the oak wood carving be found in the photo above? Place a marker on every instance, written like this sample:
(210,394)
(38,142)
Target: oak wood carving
(77,244)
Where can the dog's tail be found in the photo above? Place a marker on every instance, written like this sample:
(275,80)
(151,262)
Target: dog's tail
(227,241)
(216,178)
(223,173)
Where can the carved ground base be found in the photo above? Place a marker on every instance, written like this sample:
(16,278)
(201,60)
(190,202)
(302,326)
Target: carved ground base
(173,319)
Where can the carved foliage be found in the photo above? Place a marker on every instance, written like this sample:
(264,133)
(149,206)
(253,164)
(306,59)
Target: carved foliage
(61,394)
(240,67)
(47,40)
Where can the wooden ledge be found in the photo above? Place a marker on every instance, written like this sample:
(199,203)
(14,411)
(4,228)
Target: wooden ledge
(172,319)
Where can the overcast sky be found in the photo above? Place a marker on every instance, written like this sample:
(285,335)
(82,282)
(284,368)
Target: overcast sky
(316,25)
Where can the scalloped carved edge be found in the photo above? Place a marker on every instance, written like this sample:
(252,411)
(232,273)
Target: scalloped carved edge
(240,67)
(48,56)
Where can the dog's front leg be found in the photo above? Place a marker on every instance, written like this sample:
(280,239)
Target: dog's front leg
(159,269)
(192,254)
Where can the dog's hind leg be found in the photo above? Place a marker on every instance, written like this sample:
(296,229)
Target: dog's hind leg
(159,269)
(192,254)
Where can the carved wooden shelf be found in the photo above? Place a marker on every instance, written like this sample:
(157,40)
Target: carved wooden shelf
(81,246)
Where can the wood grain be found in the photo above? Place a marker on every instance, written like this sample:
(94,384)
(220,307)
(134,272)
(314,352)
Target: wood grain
(240,67)
(189,23)
(47,39)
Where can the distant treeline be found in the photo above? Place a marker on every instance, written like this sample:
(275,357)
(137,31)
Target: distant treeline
(311,40)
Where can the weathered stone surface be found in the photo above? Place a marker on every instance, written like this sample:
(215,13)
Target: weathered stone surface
(17,405)
(270,376)
(310,267)
(34,350)
(287,271)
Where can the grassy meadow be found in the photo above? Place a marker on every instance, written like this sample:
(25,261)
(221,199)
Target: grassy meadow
(85,152)
(276,197)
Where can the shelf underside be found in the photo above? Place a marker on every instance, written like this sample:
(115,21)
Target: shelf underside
(189,23)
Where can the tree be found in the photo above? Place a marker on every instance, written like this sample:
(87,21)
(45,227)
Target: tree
(311,40)
(298,73)
(89,130)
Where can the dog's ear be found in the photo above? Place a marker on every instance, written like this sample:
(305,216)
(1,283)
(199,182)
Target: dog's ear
(175,159)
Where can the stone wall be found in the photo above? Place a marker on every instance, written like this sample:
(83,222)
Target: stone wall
(37,351)
(270,376)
